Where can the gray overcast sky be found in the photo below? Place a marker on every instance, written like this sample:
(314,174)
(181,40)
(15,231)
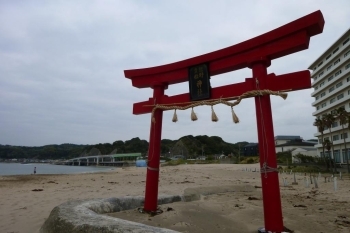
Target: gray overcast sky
(62,63)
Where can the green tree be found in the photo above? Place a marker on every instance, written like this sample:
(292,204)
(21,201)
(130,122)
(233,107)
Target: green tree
(136,145)
(328,144)
(329,119)
(319,123)
(344,117)
(305,158)
(119,145)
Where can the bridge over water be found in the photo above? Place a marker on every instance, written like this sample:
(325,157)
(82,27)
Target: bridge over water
(118,160)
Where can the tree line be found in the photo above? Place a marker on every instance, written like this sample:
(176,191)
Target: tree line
(326,122)
(187,146)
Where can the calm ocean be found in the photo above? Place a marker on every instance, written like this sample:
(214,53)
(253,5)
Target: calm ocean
(42,168)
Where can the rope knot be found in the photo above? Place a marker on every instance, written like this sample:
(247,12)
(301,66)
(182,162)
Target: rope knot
(265,169)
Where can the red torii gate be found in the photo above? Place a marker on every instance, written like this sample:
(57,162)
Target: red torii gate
(256,54)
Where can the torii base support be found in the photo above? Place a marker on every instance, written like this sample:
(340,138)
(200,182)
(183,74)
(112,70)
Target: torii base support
(262,230)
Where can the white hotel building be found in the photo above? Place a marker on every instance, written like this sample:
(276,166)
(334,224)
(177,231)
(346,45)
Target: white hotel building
(331,83)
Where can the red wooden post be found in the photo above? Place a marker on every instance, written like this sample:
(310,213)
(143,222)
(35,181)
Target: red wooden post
(269,180)
(151,193)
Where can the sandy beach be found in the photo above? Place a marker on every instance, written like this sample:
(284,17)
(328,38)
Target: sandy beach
(305,209)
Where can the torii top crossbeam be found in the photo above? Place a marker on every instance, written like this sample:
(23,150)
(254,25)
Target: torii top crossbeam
(287,39)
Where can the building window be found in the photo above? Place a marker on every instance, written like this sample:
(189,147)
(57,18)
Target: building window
(326,138)
(320,74)
(332,100)
(331,89)
(320,64)
(330,78)
(329,67)
(318,107)
(335,137)
(345,158)
(344,135)
(347,66)
(335,124)
(337,61)
(328,56)
(339,84)
(323,105)
(347,53)
(337,156)
(340,96)
(318,97)
(348,92)
(323,94)
(316,88)
(337,73)
(321,84)
(346,41)
(335,50)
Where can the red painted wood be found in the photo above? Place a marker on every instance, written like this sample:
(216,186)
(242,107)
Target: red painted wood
(287,39)
(290,82)
(270,185)
(151,193)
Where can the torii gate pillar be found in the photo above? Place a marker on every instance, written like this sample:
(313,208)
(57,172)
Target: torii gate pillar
(151,192)
(269,180)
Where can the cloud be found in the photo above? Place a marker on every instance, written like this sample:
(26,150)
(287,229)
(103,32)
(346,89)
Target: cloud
(62,63)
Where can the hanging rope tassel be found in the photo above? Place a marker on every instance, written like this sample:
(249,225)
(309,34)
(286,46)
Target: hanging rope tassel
(247,94)
(283,95)
(153,119)
(175,117)
(234,116)
(213,115)
(193,116)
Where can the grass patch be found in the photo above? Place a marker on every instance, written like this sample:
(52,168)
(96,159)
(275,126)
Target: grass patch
(250,160)
(303,169)
(182,161)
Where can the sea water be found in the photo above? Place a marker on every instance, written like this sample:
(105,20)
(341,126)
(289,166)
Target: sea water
(44,168)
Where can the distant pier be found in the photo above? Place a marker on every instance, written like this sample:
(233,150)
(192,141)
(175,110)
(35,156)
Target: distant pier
(116,160)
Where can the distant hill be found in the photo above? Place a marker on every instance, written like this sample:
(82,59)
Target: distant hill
(189,146)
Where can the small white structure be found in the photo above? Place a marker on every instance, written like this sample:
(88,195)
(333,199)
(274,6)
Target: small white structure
(282,139)
(292,145)
(305,151)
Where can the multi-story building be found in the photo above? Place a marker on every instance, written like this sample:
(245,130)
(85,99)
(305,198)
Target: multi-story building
(331,83)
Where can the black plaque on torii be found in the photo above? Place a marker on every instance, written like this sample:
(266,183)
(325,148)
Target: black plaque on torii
(199,82)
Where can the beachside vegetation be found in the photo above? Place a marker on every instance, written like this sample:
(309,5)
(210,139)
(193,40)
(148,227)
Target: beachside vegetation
(189,147)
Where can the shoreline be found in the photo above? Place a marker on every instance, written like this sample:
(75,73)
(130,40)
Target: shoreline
(9,169)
